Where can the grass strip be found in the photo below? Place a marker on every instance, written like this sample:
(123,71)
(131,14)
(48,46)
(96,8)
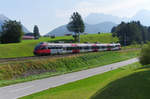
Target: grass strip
(31,70)
(104,86)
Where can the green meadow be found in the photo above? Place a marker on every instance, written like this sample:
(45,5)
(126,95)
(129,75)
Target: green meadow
(26,47)
(129,82)
(16,72)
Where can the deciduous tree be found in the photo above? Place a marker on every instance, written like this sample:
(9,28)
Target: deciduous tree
(11,32)
(76,25)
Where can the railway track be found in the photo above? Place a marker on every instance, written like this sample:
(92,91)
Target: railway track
(6,60)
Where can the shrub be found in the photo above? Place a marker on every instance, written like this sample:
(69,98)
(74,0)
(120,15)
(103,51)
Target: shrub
(145,55)
(52,36)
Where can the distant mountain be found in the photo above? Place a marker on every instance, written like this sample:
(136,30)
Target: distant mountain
(143,16)
(60,31)
(4,18)
(99,22)
(104,27)
(95,18)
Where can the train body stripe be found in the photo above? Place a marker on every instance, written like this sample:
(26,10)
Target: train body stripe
(55,48)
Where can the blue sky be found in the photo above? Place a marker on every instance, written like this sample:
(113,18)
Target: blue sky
(49,14)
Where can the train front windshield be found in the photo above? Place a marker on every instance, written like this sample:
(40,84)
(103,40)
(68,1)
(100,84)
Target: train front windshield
(37,47)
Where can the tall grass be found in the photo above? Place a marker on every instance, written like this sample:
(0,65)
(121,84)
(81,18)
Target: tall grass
(53,66)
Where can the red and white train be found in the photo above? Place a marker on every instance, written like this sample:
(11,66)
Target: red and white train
(45,48)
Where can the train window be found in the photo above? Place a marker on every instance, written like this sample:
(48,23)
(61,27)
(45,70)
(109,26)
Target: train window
(113,46)
(117,46)
(69,48)
(59,47)
(42,48)
(87,47)
(103,47)
(100,47)
(95,47)
(49,47)
(64,48)
(74,48)
(79,47)
(53,47)
(110,47)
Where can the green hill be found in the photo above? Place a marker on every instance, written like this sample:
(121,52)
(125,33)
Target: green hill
(134,86)
(25,48)
(129,82)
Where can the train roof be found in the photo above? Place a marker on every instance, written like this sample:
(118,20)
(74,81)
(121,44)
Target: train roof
(76,44)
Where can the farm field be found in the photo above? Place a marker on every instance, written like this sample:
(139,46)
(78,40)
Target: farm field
(18,72)
(129,82)
(26,47)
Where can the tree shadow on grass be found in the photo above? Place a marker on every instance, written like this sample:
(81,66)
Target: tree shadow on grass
(134,86)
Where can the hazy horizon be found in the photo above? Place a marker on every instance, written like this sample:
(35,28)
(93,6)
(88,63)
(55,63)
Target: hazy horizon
(49,14)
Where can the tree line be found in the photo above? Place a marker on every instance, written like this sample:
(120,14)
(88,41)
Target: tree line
(12,32)
(128,33)
(131,32)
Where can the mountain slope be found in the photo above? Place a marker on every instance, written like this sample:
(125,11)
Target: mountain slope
(95,18)
(143,16)
(60,31)
(4,18)
(104,27)
(99,22)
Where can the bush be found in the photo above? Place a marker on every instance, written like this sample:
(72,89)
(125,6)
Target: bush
(53,36)
(145,55)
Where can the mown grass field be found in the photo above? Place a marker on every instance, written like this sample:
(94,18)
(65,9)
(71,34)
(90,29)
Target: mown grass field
(26,47)
(129,82)
(17,72)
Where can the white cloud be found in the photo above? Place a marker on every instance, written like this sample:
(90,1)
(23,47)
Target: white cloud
(120,8)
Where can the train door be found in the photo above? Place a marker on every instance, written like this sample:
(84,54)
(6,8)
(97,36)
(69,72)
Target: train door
(81,47)
(75,48)
(109,47)
(95,48)
(85,48)
(59,49)
(53,49)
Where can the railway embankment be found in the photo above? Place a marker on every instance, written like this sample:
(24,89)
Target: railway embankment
(21,71)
